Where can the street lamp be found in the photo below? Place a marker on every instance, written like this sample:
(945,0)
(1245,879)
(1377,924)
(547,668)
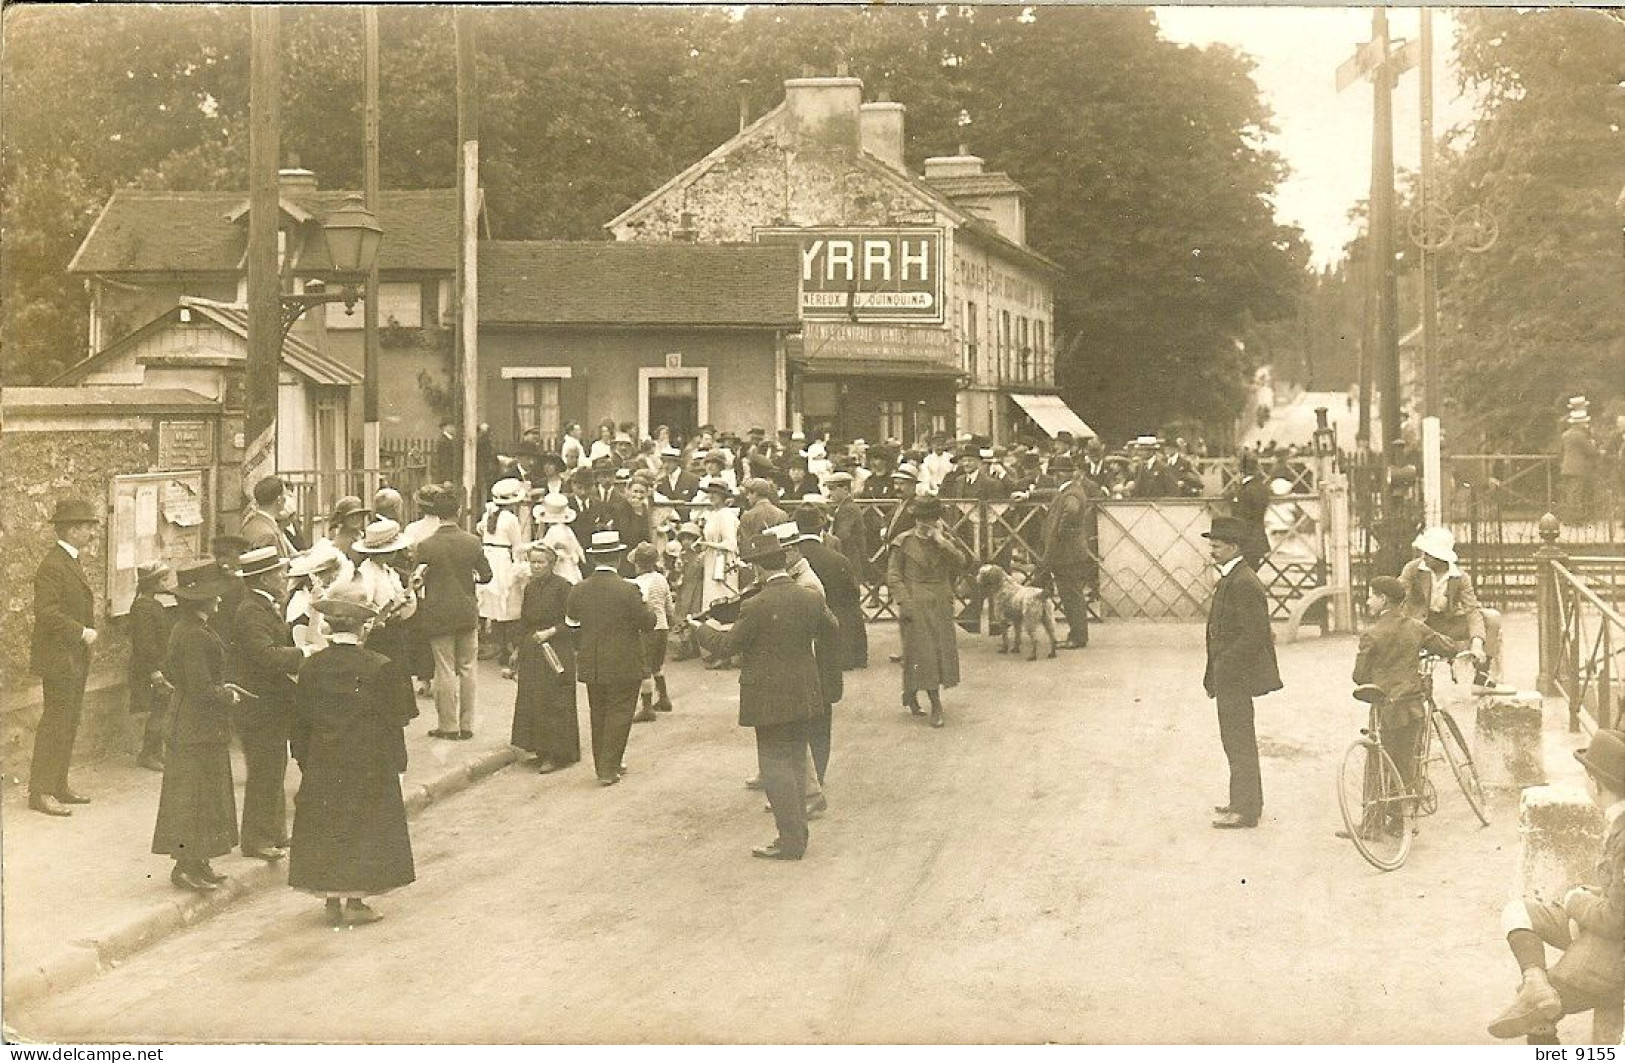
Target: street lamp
(352,235)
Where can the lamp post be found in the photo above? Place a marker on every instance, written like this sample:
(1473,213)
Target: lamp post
(352,234)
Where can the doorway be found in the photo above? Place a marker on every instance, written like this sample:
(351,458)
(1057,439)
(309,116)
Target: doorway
(675,398)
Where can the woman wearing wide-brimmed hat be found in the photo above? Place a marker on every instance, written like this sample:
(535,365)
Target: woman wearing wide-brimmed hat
(555,515)
(309,575)
(545,719)
(392,591)
(151,617)
(350,839)
(500,533)
(197,808)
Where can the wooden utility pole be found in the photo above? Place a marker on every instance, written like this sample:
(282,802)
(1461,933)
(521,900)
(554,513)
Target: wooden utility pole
(264,360)
(466,387)
(371,430)
(1380,354)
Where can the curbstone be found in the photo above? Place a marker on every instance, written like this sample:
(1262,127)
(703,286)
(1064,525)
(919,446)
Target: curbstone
(1507,732)
(74,964)
(1560,837)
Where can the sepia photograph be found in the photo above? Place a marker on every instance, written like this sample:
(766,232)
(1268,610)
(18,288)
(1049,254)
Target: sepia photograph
(834,524)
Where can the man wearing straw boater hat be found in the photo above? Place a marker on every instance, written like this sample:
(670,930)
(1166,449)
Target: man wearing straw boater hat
(59,653)
(265,660)
(610,618)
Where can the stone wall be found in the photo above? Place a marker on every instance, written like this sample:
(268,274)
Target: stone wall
(39,468)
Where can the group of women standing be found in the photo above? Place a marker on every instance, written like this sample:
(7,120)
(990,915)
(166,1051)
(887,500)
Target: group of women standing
(349,838)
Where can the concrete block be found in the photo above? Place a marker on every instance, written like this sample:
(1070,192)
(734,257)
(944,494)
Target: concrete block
(1560,835)
(1507,737)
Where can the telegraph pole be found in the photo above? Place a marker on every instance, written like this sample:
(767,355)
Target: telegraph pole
(370,429)
(466,387)
(263,364)
(1386,348)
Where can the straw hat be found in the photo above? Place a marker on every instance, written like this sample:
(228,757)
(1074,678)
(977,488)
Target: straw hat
(604,542)
(259,561)
(508,492)
(312,561)
(1438,543)
(346,601)
(556,509)
(383,536)
(152,574)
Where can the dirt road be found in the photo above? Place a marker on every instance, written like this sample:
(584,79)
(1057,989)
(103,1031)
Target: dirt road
(1040,870)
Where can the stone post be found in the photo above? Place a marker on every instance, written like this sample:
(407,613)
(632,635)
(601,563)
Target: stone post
(1546,592)
(1560,835)
(1507,742)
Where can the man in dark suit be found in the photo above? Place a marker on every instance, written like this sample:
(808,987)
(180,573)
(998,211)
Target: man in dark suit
(970,479)
(606,506)
(1070,534)
(780,689)
(844,600)
(268,520)
(609,617)
(265,660)
(448,614)
(1240,667)
(674,483)
(64,631)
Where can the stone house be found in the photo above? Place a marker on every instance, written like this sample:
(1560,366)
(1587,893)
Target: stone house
(925,309)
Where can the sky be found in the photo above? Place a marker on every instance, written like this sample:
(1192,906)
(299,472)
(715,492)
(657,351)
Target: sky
(1324,135)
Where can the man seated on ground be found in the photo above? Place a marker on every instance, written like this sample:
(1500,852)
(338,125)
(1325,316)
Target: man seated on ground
(1388,659)
(1440,594)
(1588,925)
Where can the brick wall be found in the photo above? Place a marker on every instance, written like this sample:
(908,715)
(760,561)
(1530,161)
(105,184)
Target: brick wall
(39,468)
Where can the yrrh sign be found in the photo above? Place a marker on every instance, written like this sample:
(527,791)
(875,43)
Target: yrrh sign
(867,274)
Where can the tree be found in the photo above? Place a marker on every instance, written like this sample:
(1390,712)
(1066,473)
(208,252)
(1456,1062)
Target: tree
(1536,318)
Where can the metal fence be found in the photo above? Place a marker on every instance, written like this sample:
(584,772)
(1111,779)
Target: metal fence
(316,491)
(1582,641)
(1147,558)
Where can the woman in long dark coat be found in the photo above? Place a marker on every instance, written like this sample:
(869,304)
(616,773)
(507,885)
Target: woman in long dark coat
(349,825)
(197,809)
(151,617)
(921,568)
(544,712)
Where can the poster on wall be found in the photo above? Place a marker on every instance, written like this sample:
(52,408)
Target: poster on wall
(155,516)
(867,274)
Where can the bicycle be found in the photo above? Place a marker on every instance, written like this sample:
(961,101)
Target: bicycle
(1379,810)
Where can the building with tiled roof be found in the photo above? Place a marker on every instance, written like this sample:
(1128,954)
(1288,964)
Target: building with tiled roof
(674,334)
(925,310)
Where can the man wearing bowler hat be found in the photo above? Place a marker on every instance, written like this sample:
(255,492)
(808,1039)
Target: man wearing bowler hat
(1240,667)
(264,663)
(610,618)
(64,631)
(1588,924)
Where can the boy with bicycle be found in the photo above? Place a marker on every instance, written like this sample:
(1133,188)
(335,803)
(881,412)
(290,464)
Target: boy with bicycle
(1389,649)
(1588,925)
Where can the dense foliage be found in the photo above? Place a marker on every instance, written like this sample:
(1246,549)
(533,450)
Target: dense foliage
(1149,182)
(1538,316)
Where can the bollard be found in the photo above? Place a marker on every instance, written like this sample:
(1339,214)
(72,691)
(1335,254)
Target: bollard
(1560,833)
(1507,741)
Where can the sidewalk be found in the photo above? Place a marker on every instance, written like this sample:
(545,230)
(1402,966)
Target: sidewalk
(82,893)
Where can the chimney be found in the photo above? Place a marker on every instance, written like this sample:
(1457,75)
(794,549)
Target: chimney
(293,181)
(881,123)
(744,103)
(952,166)
(823,113)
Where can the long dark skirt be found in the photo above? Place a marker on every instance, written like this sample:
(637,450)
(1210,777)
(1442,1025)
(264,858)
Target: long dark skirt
(544,711)
(349,834)
(197,809)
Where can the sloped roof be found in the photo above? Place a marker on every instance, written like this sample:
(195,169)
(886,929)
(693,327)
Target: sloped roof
(551,282)
(975,184)
(104,396)
(140,232)
(297,355)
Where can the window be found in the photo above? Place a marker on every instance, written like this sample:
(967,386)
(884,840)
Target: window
(1004,344)
(891,420)
(1024,351)
(536,405)
(1041,353)
(939,424)
(400,303)
(972,338)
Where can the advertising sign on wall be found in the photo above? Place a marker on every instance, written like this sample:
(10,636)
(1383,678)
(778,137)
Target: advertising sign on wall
(867,274)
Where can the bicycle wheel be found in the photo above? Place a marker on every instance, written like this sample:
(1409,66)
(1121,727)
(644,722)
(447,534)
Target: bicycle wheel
(1461,762)
(1377,810)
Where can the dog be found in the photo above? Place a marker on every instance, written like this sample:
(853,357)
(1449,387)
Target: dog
(1021,606)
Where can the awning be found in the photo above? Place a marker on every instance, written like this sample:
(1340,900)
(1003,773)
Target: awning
(1053,415)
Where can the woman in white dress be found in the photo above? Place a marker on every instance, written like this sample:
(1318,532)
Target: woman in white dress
(719,541)
(501,535)
(556,516)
